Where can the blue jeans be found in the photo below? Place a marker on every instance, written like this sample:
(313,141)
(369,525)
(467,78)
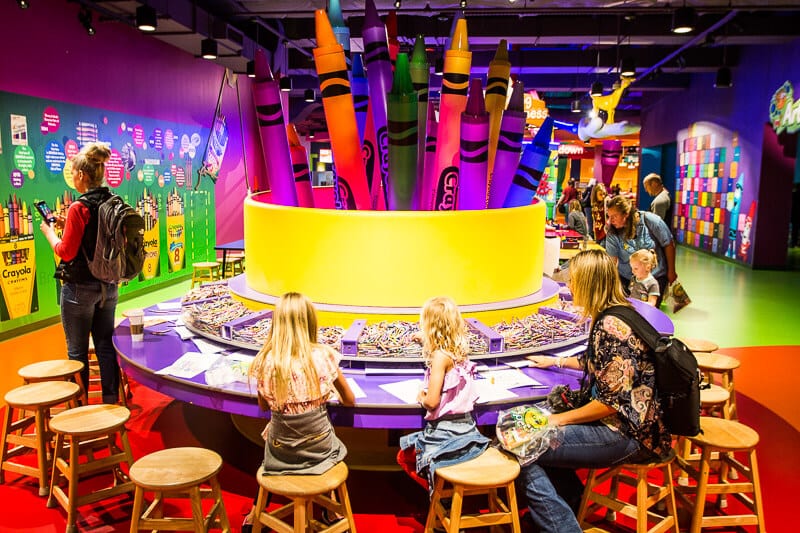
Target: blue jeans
(89,308)
(551,487)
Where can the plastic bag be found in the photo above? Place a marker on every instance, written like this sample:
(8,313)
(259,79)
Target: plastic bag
(676,298)
(228,370)
(524,431)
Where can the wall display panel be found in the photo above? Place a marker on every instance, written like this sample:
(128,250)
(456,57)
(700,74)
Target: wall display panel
(153,166)
(715,201)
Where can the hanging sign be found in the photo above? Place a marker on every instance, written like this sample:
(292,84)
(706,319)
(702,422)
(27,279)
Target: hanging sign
(784,110)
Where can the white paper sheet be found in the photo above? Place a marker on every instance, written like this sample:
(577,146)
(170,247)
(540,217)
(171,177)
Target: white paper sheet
(358,392)
(510,378)
(183,332)
(207,346)
(569,351)
(168,306)
(190,364)
(492,393)
(406,390)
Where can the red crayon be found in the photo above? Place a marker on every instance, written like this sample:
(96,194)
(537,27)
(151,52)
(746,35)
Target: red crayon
(302,178)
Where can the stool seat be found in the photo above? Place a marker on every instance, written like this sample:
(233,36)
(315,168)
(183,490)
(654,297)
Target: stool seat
(205,264)
(175,468)
(44,393)
(716,361)
(725,435)
(90,420)
(714,395)
(205,271)
(700,345)
(304,485)
(57,369)
(473,473)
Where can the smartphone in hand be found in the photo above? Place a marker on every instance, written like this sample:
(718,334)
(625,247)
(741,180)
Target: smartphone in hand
(45,211)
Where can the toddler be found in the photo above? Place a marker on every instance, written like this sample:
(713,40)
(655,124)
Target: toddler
(643,285)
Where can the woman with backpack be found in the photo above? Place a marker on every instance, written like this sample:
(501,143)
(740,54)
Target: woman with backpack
(618,420)
(87,304)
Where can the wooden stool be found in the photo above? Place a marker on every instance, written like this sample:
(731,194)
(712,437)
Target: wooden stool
(700,345)
(178,473)
(205,271)
(53,370)
(85,428)
(305,491)
(713,401)
(486,473)
(722,436)
(719,365)
(95,389)
(36,399)
(648,495)
(234,265)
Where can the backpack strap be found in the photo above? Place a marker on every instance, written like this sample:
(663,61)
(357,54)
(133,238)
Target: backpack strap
(638,324)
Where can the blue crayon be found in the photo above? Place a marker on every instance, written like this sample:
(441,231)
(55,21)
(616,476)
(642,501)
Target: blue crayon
(360,88)
(529,172)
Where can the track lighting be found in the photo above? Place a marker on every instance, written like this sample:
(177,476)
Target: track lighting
(397,4)
(251,69)
(146,19)
(438,67)
(575,107)
(683,19)
(286,84)
(724,78)
(309,95)
(463,4)
(85,18)
(597,89)
(208,48)
(23,4)
(627,67)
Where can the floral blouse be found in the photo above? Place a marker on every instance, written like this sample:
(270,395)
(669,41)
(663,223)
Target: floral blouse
(624,379)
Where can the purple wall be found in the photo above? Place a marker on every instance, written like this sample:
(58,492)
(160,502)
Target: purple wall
(49,55)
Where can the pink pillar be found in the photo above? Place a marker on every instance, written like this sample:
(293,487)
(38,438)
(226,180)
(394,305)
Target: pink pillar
(609,160)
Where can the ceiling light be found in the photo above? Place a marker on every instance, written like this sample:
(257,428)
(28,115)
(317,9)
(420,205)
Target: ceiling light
(309,96)
(397,4)
(463,4)
(23,4)
(683,19)
(597,89)
(146,19)
(438,67)
(208,48)
(85,18)
(251,69)
(575,107)
(724,78)
(286,84)
(627,67)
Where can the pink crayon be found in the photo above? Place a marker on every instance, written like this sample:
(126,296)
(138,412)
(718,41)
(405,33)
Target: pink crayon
(474,152)
(509,147)
(272,129)
(302,178)
(609,160)
(429,158)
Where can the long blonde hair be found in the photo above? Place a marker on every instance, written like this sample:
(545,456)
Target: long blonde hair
(91,160)
(291,338)
(444,329)
(594,282)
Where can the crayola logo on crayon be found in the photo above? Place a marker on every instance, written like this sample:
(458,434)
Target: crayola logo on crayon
(344,195)
(368,156)
(334,83)
(446,192)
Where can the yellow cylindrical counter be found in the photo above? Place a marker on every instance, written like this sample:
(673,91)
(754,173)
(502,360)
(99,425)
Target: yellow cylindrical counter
(394,258)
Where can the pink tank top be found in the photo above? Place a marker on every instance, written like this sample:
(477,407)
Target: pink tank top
(459,392)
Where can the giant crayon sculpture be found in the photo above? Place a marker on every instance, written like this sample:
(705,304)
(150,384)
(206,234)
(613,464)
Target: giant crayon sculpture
(509,147)
(529,172)
(402,111)
(272,130)
(391,35)
(379,76)
(360,94)
(420,74)
(474,154)
(457,62)
(340,114)
(302,177)
(340,29)
(609,160)
(496,95)
(429,157)
(372,166)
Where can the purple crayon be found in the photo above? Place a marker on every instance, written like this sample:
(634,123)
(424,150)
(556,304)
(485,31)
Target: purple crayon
(302,178)
(360,94)
(379,77)
(529,172)
(429,157)
(272,130)
(474,150)
(509,147)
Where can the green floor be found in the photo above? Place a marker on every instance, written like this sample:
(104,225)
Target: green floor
(731,304)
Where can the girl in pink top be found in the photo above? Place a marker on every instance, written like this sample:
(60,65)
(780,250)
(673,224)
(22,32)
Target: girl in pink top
(448,394)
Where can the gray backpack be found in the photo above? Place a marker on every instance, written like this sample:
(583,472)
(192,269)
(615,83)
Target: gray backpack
(119,249)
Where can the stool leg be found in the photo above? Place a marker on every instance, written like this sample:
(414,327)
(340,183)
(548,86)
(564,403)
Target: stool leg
(430,523)
(641,499)
(455,508)
(136,513)
(6,429)
(344,501)
(512,506)
(54,477)
(74,461)
(757,491)
(587,491)
(222,514)
(197,509)
(702,485)
(300,519)
(41,450)
(261,502)
(671,509)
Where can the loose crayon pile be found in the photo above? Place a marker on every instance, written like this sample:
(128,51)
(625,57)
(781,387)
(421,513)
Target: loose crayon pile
(389,149)
(255,334)
(389,339)
(208,316)
(204,292)
(330,335)
(537,330)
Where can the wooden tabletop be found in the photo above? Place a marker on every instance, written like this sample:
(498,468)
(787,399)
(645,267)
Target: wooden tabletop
(90,419)
(175,468)
(42,394)
(489,468)
(304,485)
(54,369)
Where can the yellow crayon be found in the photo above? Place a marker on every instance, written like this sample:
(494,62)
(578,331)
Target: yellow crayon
(496,96)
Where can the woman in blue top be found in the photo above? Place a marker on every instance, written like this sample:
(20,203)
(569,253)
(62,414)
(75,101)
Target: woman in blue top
(630,230)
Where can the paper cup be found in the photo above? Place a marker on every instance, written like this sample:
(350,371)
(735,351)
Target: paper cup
(136,322)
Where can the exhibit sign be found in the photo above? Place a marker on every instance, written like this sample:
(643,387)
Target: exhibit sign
(784,110)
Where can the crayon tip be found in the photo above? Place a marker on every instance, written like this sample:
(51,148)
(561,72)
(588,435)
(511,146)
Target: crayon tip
(419,56)
(475,103)
(335,13)
(324,30)
(263,72)
(391,24)
(402,76)
(358,66)
(517,101)
(459,40)
(502,51)
(545,133)
(291,134)
(371,18)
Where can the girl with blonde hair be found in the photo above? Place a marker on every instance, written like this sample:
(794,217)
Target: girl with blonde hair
(643,285)
(599,195)
(448,392)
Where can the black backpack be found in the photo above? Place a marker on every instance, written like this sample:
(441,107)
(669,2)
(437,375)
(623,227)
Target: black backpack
(677,377)
(119,249)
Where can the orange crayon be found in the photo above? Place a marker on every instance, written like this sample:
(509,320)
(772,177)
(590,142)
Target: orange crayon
(337,102)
